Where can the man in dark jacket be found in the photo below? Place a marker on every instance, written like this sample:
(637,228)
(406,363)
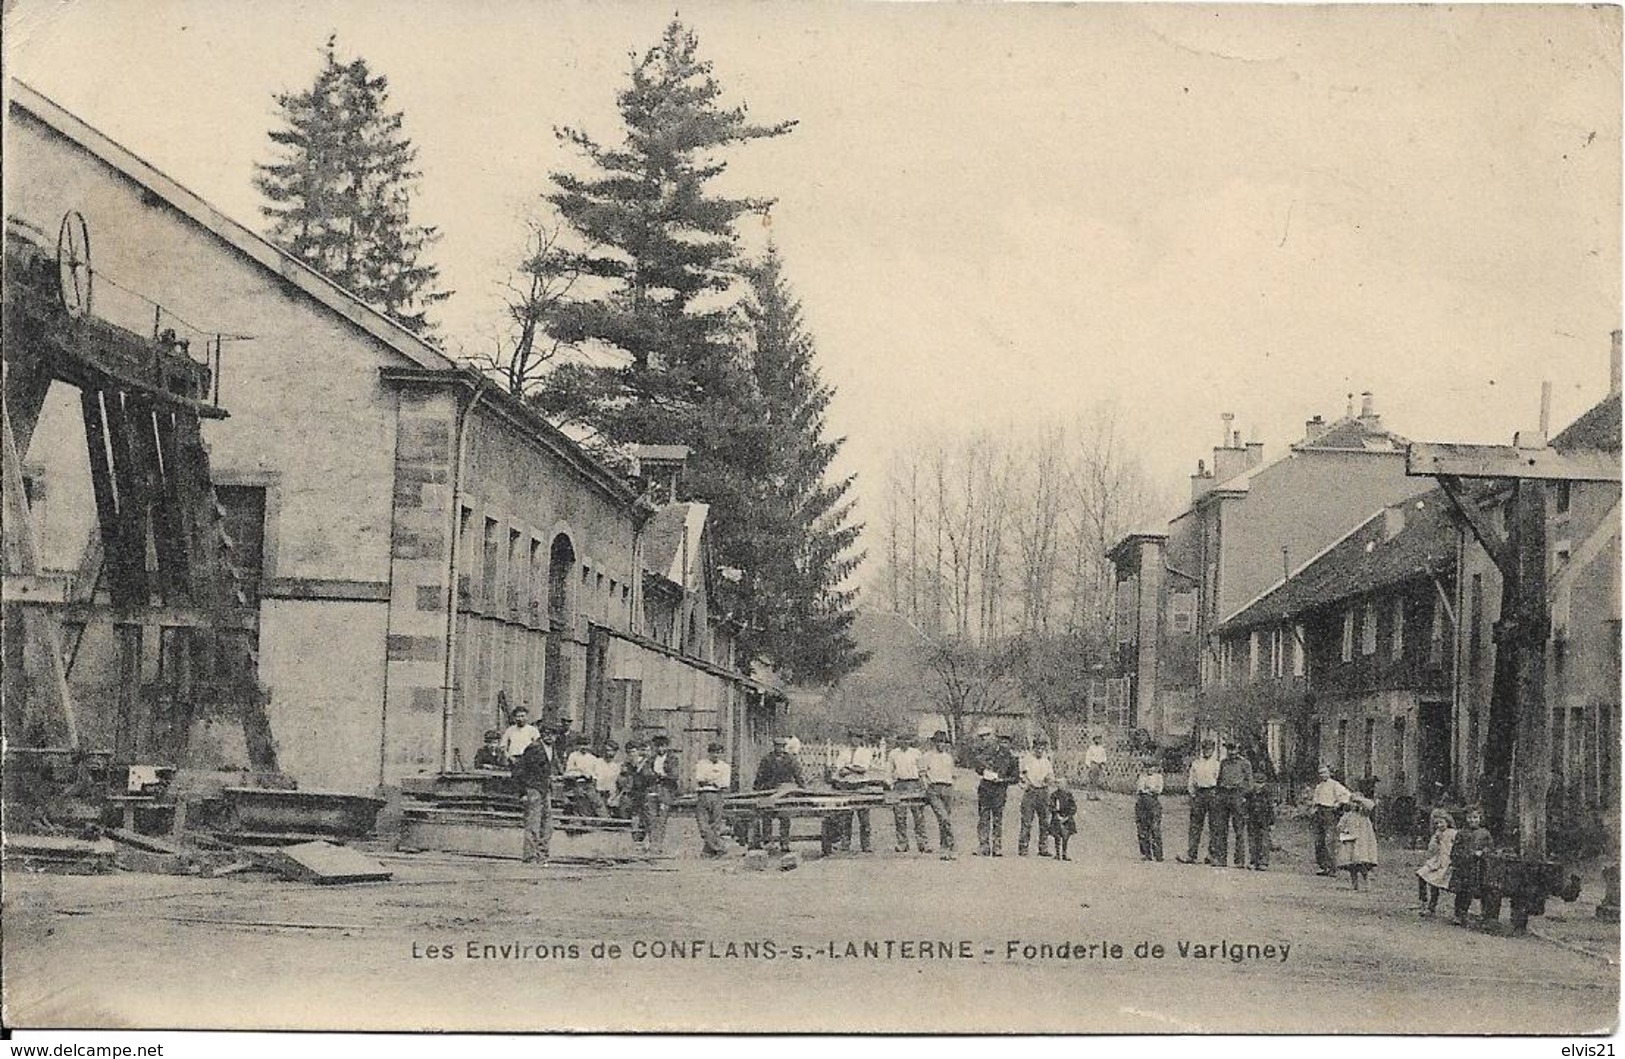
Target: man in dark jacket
(779,769)
(534,774)
(1235,783)
(996,764)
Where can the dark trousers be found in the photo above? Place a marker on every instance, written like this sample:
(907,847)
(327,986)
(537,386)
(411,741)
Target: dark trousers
(1326,837)
(1258,842)
(1148,825)
(940,797)
(1231,810)
(990,798)
(538,826)
(865,834)
(901,812)
(1034,804)
(708,813)
(761,830)
(1203,810)
(656,808)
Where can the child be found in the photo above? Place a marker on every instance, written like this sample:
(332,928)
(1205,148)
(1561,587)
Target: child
(491,756)
(1260,819)
(1063,819)
(1467,864)
(1356,839)
(1148,809)
(1434,874)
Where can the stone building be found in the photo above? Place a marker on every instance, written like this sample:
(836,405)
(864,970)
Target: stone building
(418,541)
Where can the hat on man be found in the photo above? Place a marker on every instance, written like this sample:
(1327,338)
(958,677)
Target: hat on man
(714,748)
(1041,741)
(661,740)
(1208,741)
(986,729)
(492,735)
(1006,737)
(781,740)
(939,736)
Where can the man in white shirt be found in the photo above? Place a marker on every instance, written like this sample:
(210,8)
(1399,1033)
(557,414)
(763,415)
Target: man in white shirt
(937,774)
(1203,785)
(519,734)
(903,766)
(1037,773)
(1094,761)
(609,776)
(1328,799)
(712,778)
(581,779)
(856,769)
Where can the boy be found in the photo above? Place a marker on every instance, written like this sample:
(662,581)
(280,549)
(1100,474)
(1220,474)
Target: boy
(1467,864)
(1063,820)
(1260,818)
(712,779)
(1148,809)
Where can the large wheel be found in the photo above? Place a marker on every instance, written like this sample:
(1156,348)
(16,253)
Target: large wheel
(73,273)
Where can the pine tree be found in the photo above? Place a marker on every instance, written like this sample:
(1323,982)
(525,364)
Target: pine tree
(664,257)
(792,536)
(339,193)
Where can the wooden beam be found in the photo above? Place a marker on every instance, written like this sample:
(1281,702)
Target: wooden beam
(1508,461)
(1492,540)
(36,588)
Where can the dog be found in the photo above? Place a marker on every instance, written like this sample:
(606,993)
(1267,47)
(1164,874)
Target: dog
(1063,820)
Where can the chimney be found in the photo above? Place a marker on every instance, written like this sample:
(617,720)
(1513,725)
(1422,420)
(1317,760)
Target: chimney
(1224,434)
(1313,428)
(1229,460)
(1368,409)
(1348,408)
(1201,482)
(661,466)
(1255,453)
(1613,366)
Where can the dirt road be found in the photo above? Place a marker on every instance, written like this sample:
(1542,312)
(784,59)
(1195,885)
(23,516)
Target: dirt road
(883,942)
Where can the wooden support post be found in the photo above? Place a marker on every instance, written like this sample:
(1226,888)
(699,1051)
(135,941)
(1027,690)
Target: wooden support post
(1533,624)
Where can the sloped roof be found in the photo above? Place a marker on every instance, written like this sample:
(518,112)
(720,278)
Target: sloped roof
(234,235)
(1362,562)
(1595,431)
(1353,434)
(663,542)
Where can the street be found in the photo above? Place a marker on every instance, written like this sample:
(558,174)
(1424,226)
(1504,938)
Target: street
(880,943)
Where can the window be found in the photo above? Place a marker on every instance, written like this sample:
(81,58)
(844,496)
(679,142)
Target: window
(536,579)
(1343,748)
(1399,754)
(1436,634)
(1370,744)
(1348,635)
(1277,652)
(488,574)
(1252,655)
(1396,649)
(243,522)
(516,571)
(1561,495)
(465,541)
(1182,611)
(1297,651)
(1368,629)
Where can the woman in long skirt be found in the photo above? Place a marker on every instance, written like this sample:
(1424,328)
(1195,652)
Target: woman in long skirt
(1357,840)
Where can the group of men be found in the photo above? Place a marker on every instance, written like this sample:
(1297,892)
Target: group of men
(1044,800)
(1229,799)
(640,787)
(921,779)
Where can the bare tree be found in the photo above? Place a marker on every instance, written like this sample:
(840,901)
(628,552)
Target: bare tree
(534,297)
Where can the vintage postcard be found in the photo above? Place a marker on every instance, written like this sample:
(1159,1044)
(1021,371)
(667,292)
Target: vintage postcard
(860,517)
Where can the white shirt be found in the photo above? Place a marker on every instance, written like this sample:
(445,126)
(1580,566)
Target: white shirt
(1150,783)
(608,773)
(1330,792)
(937,766)
(518,737)
(904,763)
(713,775)
(582,763)
(1036,771)
(857,759)
(1095,755)
(1204,773)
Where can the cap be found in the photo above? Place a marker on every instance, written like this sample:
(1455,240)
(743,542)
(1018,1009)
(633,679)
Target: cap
(781,740)
(492,733)
(939,736)
(1041,741)
(986,729)
(611,745)
(714,748)
(661,740)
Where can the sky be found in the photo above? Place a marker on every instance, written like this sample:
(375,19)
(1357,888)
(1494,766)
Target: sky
(1006,213)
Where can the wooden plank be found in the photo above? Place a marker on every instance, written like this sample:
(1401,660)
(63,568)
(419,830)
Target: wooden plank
(327,864)
(1508,461)
(145,842)
(35,588)
(1490,538)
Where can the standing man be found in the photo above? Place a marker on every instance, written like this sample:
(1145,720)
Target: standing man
(662,783)
(1235,784)
(937,773)
(1329,799)
(903,774)
(534,774)
(779,770)
(1148,809)
(712,778)
(997,767)
(1203,785)
(1260,817)
(633,786)
(855,770)
(609,777)
(1094,759)
(519,734)
(581,779)
(1037,774)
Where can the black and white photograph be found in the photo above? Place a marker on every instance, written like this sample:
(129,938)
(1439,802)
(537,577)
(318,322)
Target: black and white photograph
(833,518)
